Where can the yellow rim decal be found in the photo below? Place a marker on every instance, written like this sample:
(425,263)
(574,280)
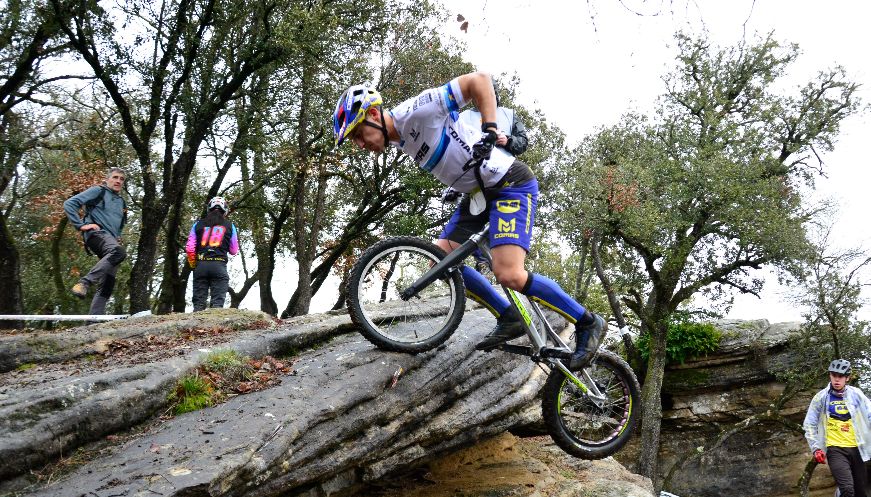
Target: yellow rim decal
(482,302)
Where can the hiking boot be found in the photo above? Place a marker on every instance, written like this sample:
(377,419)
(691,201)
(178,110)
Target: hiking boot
(508,326)
(589,338)
(80,290)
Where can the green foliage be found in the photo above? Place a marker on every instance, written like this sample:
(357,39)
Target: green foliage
(686,339)
(202,388)
(830,294)
(192,393)
(228,365)
(710,187)
(220,359)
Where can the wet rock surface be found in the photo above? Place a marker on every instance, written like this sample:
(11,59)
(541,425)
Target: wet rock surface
(58,404)
(347,414)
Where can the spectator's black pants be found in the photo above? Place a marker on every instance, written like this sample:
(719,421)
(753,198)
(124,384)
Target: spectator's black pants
(848,469)
(111,254)
(210,277)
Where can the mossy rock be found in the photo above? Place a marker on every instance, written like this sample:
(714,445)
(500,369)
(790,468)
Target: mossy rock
(686,379)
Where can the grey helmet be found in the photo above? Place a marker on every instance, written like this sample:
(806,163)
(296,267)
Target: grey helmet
(840,366)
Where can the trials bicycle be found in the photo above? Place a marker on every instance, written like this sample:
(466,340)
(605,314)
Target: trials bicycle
(406,295)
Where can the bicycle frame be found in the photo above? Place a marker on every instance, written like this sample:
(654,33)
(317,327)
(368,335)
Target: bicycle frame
(539,351)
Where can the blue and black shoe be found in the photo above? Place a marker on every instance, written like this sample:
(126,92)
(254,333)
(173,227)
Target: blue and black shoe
(589,338)
(508,326)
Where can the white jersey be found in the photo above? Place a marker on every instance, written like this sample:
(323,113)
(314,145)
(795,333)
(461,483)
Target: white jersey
(504,119)
(430,132)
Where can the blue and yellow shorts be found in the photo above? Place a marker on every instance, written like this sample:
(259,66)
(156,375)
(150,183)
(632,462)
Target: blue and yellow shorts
(510,210)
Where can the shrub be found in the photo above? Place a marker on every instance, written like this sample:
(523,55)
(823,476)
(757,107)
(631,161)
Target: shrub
(686,339)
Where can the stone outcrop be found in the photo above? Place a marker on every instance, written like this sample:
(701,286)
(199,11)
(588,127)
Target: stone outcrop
(708,394)
(519,467)
(348,414)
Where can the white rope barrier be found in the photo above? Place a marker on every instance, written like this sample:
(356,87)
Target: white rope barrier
(70,317)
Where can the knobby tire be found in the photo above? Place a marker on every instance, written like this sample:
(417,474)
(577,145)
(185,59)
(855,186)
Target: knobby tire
(583,429)
(420,324)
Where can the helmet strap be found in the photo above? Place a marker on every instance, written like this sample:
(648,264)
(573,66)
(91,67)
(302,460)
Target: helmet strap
(384,128)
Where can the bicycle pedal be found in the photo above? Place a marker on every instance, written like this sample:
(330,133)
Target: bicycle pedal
(554,353)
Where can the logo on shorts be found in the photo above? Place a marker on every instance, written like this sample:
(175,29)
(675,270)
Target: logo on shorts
(506,229)
(508,206)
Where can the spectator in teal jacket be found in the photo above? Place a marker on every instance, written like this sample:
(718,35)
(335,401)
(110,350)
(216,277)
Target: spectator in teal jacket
(105,214)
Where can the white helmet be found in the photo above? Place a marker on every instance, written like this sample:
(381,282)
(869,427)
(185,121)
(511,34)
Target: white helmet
(218,203)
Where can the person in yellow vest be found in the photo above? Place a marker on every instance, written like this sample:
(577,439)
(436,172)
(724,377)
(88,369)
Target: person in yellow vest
(838,429)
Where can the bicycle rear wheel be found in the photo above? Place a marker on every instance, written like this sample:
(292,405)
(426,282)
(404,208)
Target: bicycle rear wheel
(587,429)
(419,324)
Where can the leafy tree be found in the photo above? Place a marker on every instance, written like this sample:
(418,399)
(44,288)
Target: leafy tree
(368,195)
(692,201)
(184,59)
(832,295)
(29,38)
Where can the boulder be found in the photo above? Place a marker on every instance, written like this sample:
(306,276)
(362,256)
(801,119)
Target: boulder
(347,415)
(708,394)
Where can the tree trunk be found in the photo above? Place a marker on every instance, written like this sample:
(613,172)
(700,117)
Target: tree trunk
(307,218)
(60,286)
(236,298)
(651,403)
(11,301)
(631,351)
(172,295)
(342,297)
(265,267)
(146,250)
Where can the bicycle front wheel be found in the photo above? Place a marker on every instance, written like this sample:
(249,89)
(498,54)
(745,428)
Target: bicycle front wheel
(418,324)
(592,428)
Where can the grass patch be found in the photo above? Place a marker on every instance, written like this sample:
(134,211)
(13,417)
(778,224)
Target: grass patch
(25,366)
(193,393)
(223,374)
(221,359)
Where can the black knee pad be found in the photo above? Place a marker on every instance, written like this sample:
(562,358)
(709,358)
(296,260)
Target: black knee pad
(107,286)
(117,256)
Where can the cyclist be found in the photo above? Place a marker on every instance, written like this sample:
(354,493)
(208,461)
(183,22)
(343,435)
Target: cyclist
(838,429)
(500,189)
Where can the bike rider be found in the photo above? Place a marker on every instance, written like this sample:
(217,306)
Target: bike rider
(837,427)
(502,190)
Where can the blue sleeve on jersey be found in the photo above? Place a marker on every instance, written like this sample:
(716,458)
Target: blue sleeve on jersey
(454,98)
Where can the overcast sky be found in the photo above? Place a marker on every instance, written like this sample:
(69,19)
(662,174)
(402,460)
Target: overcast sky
(585,63)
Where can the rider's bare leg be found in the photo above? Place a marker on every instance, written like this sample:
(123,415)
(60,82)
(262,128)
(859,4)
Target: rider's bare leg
(508,266)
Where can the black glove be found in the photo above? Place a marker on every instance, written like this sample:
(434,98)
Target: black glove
(481,150)
(450,195)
